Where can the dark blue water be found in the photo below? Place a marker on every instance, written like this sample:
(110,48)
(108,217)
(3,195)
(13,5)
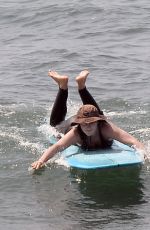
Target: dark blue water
(111,39)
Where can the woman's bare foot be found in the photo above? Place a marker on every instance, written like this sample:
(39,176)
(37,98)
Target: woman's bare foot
(81,79)
(61,80)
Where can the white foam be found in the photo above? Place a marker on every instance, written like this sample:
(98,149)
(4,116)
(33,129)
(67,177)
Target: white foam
(12,107)
(48,130)
(144,131)
(60,161)
(14,134)
(147,146)
(31,170)
(124,113)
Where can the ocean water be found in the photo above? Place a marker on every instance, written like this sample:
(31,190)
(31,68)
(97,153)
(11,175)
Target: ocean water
(111,39)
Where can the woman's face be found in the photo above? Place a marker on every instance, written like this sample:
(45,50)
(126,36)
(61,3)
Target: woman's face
(90,128)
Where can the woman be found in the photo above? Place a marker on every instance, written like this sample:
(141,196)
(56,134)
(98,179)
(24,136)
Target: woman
(89,128)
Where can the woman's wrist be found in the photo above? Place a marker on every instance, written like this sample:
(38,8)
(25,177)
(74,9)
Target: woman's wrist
(41,161)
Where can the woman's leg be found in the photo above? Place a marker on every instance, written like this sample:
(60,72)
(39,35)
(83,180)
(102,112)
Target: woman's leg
(86,97)
(59,109)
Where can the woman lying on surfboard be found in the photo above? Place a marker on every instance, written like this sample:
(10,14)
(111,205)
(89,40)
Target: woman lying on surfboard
(89,128)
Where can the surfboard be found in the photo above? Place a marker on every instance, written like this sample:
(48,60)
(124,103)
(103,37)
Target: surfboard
(119,155)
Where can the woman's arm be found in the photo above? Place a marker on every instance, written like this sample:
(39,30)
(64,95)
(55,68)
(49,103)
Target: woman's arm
(114,132)
(68,139)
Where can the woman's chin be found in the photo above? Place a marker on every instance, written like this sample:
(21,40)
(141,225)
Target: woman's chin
(89,134)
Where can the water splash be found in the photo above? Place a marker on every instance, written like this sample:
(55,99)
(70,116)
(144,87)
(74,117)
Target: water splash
(144,131)
(14,135)
(124,113)
(147,147)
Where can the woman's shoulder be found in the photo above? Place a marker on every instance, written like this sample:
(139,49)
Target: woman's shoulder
(74,131)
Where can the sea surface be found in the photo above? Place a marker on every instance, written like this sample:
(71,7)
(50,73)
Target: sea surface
(112,40)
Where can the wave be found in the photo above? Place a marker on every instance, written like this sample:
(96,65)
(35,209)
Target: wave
(125,113)
(14,135)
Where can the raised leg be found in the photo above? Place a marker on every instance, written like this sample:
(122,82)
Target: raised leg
(59,109)
(86,97)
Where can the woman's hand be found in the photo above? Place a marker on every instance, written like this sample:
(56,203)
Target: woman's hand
(37,164)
